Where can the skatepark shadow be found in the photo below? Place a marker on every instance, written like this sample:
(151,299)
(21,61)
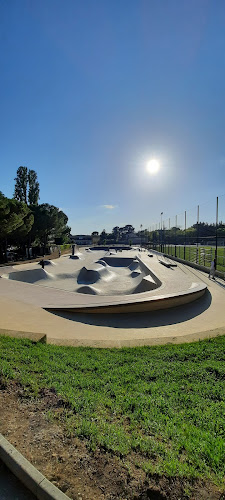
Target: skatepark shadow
(142,320)
(220,284)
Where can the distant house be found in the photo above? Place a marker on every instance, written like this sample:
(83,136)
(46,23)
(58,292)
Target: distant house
(81,239)
(136,239)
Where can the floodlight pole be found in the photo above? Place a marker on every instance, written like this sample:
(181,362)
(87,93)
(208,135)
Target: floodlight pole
(161,230)
(217,202)
(197,258)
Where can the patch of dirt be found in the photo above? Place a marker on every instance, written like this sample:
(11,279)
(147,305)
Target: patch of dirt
(67,462)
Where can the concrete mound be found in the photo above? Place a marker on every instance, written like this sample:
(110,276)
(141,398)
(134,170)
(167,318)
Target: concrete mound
(135,274)
(75,257)
(146,284)
(118,261)
(29,276)
(134,265)
(91,290)
(102,262)
(66,276)
(89,276)
(48,263)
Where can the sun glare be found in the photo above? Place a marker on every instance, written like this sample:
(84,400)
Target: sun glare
(153,166)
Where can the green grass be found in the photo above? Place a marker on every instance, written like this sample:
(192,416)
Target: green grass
(65,246)
(204,257)
(165,405)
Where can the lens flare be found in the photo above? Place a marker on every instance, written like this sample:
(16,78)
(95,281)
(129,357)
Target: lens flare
(153,166)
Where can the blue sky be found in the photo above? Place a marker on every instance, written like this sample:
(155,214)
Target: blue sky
(91,90)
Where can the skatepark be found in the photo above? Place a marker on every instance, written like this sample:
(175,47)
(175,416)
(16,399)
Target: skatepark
(106,299)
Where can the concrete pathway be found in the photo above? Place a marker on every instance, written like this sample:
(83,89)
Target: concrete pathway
(200,319)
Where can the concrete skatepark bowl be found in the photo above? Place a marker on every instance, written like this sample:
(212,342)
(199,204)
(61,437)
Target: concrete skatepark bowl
(100,281)
(51,305)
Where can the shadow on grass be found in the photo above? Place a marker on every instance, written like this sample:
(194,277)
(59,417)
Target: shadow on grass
(142,320)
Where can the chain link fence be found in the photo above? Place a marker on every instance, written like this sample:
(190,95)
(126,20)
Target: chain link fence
(196,235)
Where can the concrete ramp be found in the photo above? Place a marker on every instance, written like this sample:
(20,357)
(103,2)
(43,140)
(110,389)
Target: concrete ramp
(146,284)
(135,274)
(89,276)
(118,261)
(134,265)
(48,263)
(29,276)
(87,289)
(102,262)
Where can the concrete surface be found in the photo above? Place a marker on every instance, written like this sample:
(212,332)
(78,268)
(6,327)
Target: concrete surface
(21,310)
(58,289)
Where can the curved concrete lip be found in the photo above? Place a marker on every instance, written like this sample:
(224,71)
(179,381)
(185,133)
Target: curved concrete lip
(171,287)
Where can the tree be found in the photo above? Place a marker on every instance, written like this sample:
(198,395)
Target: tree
(21,179)
(49,223)
(21,236)
(129,229)
(34,189)
(103,236)
(26,186)
(13,216)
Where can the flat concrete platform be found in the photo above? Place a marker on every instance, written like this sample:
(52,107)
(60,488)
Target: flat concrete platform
(21,309)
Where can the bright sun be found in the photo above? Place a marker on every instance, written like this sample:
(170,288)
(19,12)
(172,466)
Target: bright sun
(153,166)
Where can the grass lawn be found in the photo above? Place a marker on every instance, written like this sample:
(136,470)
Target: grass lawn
(205,254)
(164,405)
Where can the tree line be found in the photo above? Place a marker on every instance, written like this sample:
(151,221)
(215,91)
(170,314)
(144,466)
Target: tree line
(24,223)
(200,232)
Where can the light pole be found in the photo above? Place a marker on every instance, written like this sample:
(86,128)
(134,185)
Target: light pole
(161,230)
(141,231)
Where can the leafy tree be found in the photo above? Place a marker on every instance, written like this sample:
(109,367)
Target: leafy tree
(129,229)
(13,216)
(21,236)
(26,186)
(21,179)
(34,189)
(103,236)
(49,223)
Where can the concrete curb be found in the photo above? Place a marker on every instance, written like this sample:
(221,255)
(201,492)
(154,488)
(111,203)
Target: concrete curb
(33,336)
(28,474)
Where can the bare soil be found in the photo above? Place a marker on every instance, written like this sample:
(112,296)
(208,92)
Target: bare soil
(71,466)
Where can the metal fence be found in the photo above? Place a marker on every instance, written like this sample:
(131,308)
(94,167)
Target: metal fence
(202,255)
(202,226)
